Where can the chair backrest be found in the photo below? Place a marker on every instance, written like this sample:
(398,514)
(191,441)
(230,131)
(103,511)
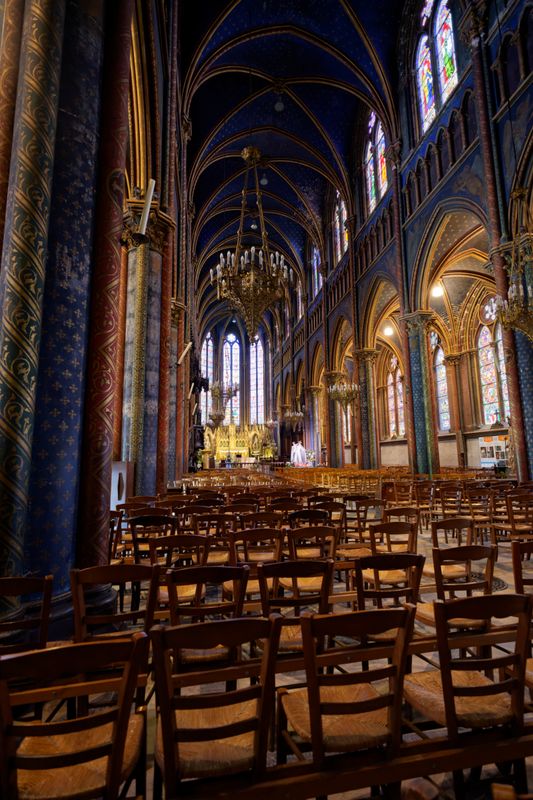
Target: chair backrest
(210,523)
(476,575)
(145,527)
(263,519)
(402,514)
(336,512)
(368,510)
(394,536)
(179,550)
(312,542)
(325,644)
(254,702)
(505,670)
(269,576)
(285,504)
(308,516)
(457,530)
(209,599)
(30,631)
(139,615)
(522,566)
(395,578)
(252,546)
(41,746)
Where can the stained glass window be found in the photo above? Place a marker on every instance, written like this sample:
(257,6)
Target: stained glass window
(441,388)
(395,399)
(370,177)
(488,377)
(382,161)
(231,357)
(317,275)
(206,368)
(391,404)
(424,79)
(445,50)
(257,383)
(346,430)
(498,337)
(299,301)
(426,11)
(340,231)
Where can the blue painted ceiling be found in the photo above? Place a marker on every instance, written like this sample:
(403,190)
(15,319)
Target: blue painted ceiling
(328,62)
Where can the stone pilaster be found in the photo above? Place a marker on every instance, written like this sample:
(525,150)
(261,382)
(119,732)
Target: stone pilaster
(427,456)
(366,359)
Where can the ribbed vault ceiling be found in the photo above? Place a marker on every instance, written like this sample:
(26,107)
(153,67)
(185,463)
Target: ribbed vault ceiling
(328,62)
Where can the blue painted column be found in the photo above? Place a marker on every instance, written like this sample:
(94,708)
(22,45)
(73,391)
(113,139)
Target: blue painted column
(54,482)
(524,357)
(370,457)
(427,457)
(23,266)
(173,387)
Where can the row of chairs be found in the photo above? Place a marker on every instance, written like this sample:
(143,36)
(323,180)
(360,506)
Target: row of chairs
(210,735)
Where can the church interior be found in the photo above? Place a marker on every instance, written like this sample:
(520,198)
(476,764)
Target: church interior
(260,256)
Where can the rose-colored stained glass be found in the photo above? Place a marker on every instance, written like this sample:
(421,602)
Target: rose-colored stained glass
(391,404)
(382,161)
(370,178)
(488,376)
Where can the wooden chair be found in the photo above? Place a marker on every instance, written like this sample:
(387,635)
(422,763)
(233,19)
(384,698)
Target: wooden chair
(176,552)
(346,712)
(308,516)
(90,755)
(209,600)
(472,574)
(337,516)
(388,579)
(29,630)
(393,537)
(403,514)
(147,527)
(472,692)
(263,519)
(451,532)
(209,735)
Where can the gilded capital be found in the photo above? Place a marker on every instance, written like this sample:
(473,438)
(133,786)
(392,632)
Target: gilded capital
(335,376)
(367,354)
(418,322)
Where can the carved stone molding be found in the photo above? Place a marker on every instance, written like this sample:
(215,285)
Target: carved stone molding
(367,354)
(334,376)
(453,358)
(418,322)
(393,154)
(157,229)
(315,391)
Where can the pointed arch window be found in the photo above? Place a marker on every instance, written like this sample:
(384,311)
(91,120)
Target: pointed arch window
(492,375)
(445,46)
(206,368)
(317,275)
(395,399)
(231,359)
(257,383)
(375,163)
(435,60)
(441,389)
(340,230)
(424,80)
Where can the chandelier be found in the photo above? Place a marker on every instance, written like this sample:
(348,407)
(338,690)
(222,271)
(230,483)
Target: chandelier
(516,310)
(344,393)
(220,396)
(251,280)
(294,418)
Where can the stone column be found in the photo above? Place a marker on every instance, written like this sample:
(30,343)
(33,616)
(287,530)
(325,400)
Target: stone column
(95,483)
(9,70)
(453,377)
(52,523)
(336,437)
(172,385)
(366,359)
(23,268)
(117,419)
(427,456)
(142,349)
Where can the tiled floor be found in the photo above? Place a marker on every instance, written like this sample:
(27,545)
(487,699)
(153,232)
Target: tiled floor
(421,788)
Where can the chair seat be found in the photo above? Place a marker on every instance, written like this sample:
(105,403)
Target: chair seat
(394,548)
(185,593)
(425,613)
(290,638)
(388,576)
(423,690)
(304,584)
(529,672)
(353,551)
(448,570)
(219,757)
(218,557)
(342,732)
(75,780)
(252,587)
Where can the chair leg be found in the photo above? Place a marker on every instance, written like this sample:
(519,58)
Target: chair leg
(393,791)
(520,776)
(459,784)
(158,782)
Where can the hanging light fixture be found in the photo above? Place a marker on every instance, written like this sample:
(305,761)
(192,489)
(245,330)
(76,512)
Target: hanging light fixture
(344,393)
(251,279)
(516,310)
